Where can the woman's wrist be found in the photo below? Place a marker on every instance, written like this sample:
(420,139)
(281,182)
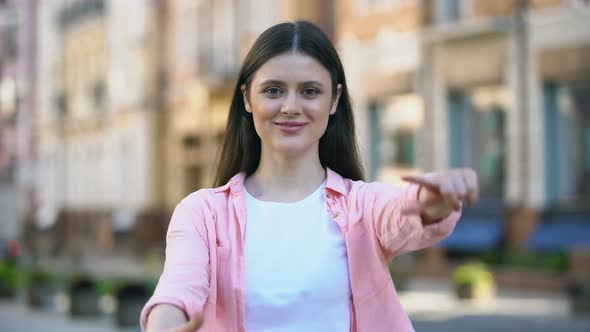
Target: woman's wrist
(163,317)
(434,213)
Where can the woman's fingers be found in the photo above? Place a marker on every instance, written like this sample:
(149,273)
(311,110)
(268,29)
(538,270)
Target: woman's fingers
(195,323)
(427,181)
(459,185)
(449,192)
(470,178)
(450,187)
(191,326)
(414,208)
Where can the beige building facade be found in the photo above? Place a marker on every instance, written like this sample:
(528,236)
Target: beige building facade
(494,85)
(209,40)
(98,124)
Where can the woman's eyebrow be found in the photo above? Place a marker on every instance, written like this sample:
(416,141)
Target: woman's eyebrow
(278,82)
(272,82)
(312,83)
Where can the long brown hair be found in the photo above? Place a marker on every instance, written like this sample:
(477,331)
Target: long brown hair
(338,150)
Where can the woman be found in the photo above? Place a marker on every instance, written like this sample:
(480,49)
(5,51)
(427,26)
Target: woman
(291,238)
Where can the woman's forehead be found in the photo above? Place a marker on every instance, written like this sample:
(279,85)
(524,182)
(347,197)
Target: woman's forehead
(292,68)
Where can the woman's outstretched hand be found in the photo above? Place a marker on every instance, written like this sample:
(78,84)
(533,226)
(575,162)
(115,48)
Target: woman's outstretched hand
(191,326)
(443,192)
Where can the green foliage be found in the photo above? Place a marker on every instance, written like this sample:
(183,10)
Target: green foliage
(105,286)
(554,262)
(41,275)
(11,278)
(400,280)
(473,273)
(110,286)
(81,280)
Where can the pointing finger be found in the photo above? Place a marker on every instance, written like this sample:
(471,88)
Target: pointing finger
(448,192)
(426,181)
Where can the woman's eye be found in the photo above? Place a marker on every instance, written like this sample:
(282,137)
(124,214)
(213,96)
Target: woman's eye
(272,91)
(310,92)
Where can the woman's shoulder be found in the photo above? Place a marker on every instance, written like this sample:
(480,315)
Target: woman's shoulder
(361,188)
(203,196)
(212,197)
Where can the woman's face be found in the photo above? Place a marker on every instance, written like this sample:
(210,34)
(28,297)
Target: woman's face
(290,98)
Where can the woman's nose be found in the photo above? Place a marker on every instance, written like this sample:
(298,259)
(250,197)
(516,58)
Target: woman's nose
(291,105)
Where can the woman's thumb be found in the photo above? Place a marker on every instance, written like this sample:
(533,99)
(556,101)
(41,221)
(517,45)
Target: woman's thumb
(191,326)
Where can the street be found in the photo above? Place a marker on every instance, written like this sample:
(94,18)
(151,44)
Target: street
(432,307)
(429,302)
(18,318)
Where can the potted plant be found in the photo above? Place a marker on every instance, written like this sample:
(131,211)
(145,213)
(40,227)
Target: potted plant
(10,279)
(42,288)
(131,296)
(579,295)
(84,296)
(473,281)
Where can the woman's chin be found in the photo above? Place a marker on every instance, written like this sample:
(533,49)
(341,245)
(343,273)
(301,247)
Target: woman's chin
(291,150)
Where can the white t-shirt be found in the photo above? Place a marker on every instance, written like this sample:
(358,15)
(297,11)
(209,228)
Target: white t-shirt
(297,267)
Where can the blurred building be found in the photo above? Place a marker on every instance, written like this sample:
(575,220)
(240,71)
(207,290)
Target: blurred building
(499,86)
(99,124)
(133,99)
(208,40)
(119,108)
(17,116)
(8,100)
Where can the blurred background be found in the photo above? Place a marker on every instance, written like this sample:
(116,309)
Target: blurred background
(112,111)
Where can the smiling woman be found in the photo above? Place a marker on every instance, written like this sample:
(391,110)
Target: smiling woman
(290,112)
(292,238)
(293,75)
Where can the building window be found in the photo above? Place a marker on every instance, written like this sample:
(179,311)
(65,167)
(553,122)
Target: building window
(194,178)
(98,91)
(394,125)
(219,138)
(447,11)
(368,6)
(477,136)
(567,145)
(191,141)
(376,2)
(405,148)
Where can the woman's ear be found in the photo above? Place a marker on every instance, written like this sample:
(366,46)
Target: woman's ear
(335,102)
(245,96)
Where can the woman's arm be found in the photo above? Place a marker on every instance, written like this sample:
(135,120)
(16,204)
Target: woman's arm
(442,192)
(165,316)
(184,282)
(421,214)
(169,318)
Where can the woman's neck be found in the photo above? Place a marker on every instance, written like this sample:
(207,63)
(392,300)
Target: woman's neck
(286,179)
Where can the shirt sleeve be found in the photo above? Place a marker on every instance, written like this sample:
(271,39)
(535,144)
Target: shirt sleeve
(398,233)
(185,279)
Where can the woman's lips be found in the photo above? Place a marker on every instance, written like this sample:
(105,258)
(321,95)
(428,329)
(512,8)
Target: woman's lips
(290,127)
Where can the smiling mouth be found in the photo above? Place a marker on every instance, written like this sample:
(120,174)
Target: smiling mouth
(290,127)
(290,124)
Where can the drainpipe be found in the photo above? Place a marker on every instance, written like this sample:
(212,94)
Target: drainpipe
(522,38)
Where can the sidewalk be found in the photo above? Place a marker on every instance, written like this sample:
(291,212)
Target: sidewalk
(432,307)
(15,317)
(430,304)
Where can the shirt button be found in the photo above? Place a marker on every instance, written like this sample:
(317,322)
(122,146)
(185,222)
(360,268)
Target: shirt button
(336,214)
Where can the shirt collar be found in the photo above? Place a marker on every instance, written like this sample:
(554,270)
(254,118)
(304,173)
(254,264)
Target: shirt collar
(334,182)
(235,184)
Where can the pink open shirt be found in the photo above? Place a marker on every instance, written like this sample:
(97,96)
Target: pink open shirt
(205,268)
